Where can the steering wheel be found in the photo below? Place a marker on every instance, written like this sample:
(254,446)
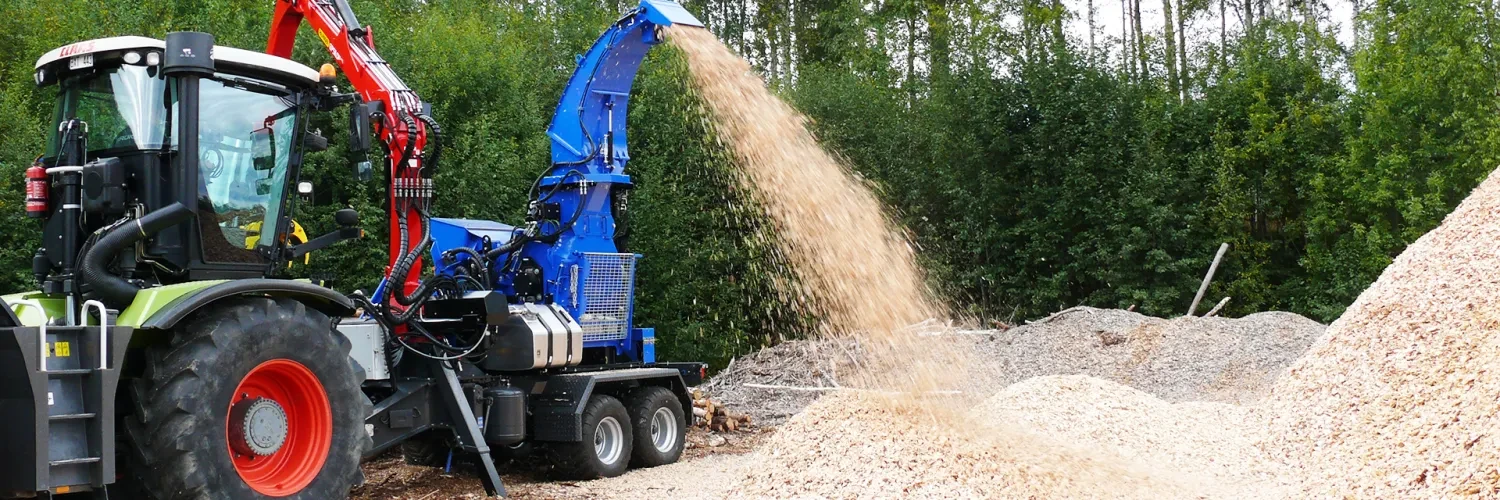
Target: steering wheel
(125,138)
(213,160)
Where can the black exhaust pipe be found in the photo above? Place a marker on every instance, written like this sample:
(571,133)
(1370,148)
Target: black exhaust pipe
(114,291)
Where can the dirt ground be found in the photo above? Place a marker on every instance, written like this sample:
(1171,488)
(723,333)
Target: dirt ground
(704,471)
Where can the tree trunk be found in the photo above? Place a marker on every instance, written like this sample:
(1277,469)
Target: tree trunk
(744,7)
(1091,27)
(1140,41)
(1489,34)
(1182,59)
(788,45)
(1126,61)
(1028,32)
(1059,40)
(911,55)
(1249,15)
(1310,28)
(939,41)
(1223,35)
(1168,24)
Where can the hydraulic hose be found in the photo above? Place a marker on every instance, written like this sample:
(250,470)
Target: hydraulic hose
(476,261)
(434,143)
(115,292)
(509,246)
(411,139)
(552,238)
(404,264)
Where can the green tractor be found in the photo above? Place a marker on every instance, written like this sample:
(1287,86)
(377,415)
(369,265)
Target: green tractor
(159,339)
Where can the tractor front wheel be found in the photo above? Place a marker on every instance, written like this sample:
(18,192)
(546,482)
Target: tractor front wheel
(252,398)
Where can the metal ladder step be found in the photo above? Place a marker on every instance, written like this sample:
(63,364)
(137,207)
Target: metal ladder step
(71,416)
(72,461)
(69,372)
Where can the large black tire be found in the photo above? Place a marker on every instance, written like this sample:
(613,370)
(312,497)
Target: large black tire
(658,441)
(177,430)
(581,460)
(428,449)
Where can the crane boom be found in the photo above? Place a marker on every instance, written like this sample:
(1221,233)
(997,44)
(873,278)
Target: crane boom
(403,123)
(589,148)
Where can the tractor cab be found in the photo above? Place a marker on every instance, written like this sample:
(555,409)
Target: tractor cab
(140,124)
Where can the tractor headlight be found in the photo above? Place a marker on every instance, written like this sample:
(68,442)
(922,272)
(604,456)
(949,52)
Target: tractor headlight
(132,57)
(41,76)
(153,58)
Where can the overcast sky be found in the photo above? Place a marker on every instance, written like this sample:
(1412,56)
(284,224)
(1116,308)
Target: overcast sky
(1203,28)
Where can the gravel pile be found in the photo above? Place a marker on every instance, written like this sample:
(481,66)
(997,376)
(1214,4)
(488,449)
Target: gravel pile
(1181,359)
(1401,398)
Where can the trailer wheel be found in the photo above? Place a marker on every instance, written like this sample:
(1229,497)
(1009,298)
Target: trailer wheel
(253,398)
(605,448)
(660,429)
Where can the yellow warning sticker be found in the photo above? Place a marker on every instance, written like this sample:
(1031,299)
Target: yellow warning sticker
(59,349)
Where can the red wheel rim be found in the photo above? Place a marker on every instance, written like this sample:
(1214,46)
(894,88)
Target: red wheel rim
(309,428)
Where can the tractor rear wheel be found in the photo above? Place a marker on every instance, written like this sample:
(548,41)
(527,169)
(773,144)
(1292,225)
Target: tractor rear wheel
(253,398)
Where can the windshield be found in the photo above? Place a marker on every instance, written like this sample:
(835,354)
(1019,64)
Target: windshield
(245,140)
(124,108)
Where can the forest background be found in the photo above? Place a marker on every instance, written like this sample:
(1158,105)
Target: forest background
(1042,154)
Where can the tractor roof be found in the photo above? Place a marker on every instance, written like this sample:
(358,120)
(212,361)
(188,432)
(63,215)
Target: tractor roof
(244,60)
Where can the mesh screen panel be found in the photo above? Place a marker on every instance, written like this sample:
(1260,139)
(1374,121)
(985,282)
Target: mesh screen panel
(607,291)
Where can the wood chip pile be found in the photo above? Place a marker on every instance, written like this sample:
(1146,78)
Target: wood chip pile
(1216,441)
(1401,398)
(850,446)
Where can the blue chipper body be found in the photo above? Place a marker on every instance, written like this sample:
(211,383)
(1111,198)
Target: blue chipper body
(583,269)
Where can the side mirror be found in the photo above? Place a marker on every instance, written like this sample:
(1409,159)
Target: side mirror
(363,171)
(348,221)
(312,142)
(346,217)
(359,128)
(263,148)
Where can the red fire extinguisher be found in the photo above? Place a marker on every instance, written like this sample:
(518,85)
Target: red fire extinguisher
(38,183)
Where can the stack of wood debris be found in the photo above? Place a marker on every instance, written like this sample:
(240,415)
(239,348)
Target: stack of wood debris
(712,415)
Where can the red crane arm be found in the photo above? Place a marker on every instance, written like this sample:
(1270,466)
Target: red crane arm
(353,49)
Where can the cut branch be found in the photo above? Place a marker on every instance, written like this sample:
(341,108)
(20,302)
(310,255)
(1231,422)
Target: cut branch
(1215,310)
(1202,289)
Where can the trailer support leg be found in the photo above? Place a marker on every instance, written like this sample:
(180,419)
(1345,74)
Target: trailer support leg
(469,435)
